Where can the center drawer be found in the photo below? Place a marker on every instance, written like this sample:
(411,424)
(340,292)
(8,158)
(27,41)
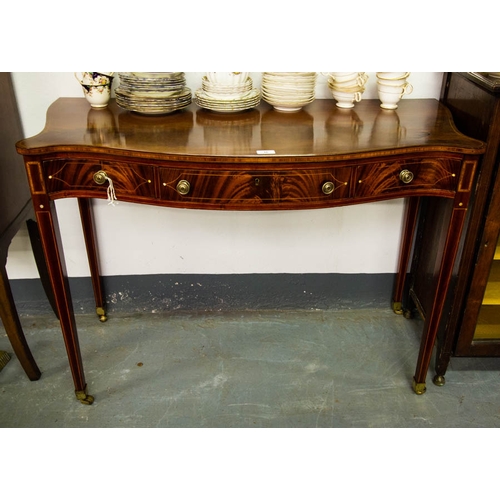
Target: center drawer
(237,189)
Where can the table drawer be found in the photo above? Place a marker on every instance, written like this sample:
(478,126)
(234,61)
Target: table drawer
(399,177)
(128,180)
(237,189)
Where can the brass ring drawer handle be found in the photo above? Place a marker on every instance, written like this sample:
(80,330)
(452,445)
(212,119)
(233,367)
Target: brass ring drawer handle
(406,176)
(328,187)
(100,177)
(183,187)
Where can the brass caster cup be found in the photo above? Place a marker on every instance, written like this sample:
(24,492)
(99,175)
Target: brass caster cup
(439,380)
(102,314)
(419,388)
(397,307)
(84,398)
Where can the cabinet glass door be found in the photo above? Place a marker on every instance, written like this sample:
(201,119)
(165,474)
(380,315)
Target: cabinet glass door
(488,323)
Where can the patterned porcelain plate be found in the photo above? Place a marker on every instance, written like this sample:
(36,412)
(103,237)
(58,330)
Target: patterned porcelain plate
(248,100)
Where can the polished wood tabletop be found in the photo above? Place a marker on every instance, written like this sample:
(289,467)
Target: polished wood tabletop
(319,131)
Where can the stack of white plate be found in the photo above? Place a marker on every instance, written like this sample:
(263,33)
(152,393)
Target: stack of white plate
(226,94)
(288,91)
(153,93)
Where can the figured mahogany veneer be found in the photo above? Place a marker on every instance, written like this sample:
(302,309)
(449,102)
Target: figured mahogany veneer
(230,188)
(64,177)
(261,159)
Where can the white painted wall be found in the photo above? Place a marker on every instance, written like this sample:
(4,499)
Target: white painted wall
(136,239)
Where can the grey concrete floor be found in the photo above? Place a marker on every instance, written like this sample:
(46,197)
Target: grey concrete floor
(275,369)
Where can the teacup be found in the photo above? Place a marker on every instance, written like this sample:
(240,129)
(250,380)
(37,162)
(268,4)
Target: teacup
(355,82)
(342,74)
(393,76)
(94,78)
(97,95)
(402,89)
(346,99)
(389,100)
(348,90)
(343,77)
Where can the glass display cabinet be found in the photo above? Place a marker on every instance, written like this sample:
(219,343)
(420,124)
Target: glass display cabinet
(471,323)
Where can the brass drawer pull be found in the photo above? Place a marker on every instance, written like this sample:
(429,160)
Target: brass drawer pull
(100,177)
(406,176)
(328,187)
(183,187)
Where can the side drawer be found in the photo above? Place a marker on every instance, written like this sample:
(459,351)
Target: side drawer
(432,176)
(238,190)
(129,180)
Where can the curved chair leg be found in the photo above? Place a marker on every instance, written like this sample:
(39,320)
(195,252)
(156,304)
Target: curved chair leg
(12,325)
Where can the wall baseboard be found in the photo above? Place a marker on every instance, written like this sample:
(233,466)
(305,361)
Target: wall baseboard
(208,292)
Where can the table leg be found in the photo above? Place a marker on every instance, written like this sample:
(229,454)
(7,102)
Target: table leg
(90,242)
(433,318)
(411,211)
(41,264)
(51,242)
(12,325)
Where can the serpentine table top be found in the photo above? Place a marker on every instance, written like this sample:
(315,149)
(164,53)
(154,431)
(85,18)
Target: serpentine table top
(259,159)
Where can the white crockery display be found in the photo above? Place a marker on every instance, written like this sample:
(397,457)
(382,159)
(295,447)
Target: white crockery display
(388,100)
(96,87)
(288,91)
(216,94)
(347,88)
(97,96)
(391,87)
(405,88)
(94,77)
(153,93)
(346,100)
(347,78)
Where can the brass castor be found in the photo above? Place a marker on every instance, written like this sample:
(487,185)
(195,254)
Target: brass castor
(439,380)
(407,314)
(84,398)
(102,314)
(397,307)
(419,388)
